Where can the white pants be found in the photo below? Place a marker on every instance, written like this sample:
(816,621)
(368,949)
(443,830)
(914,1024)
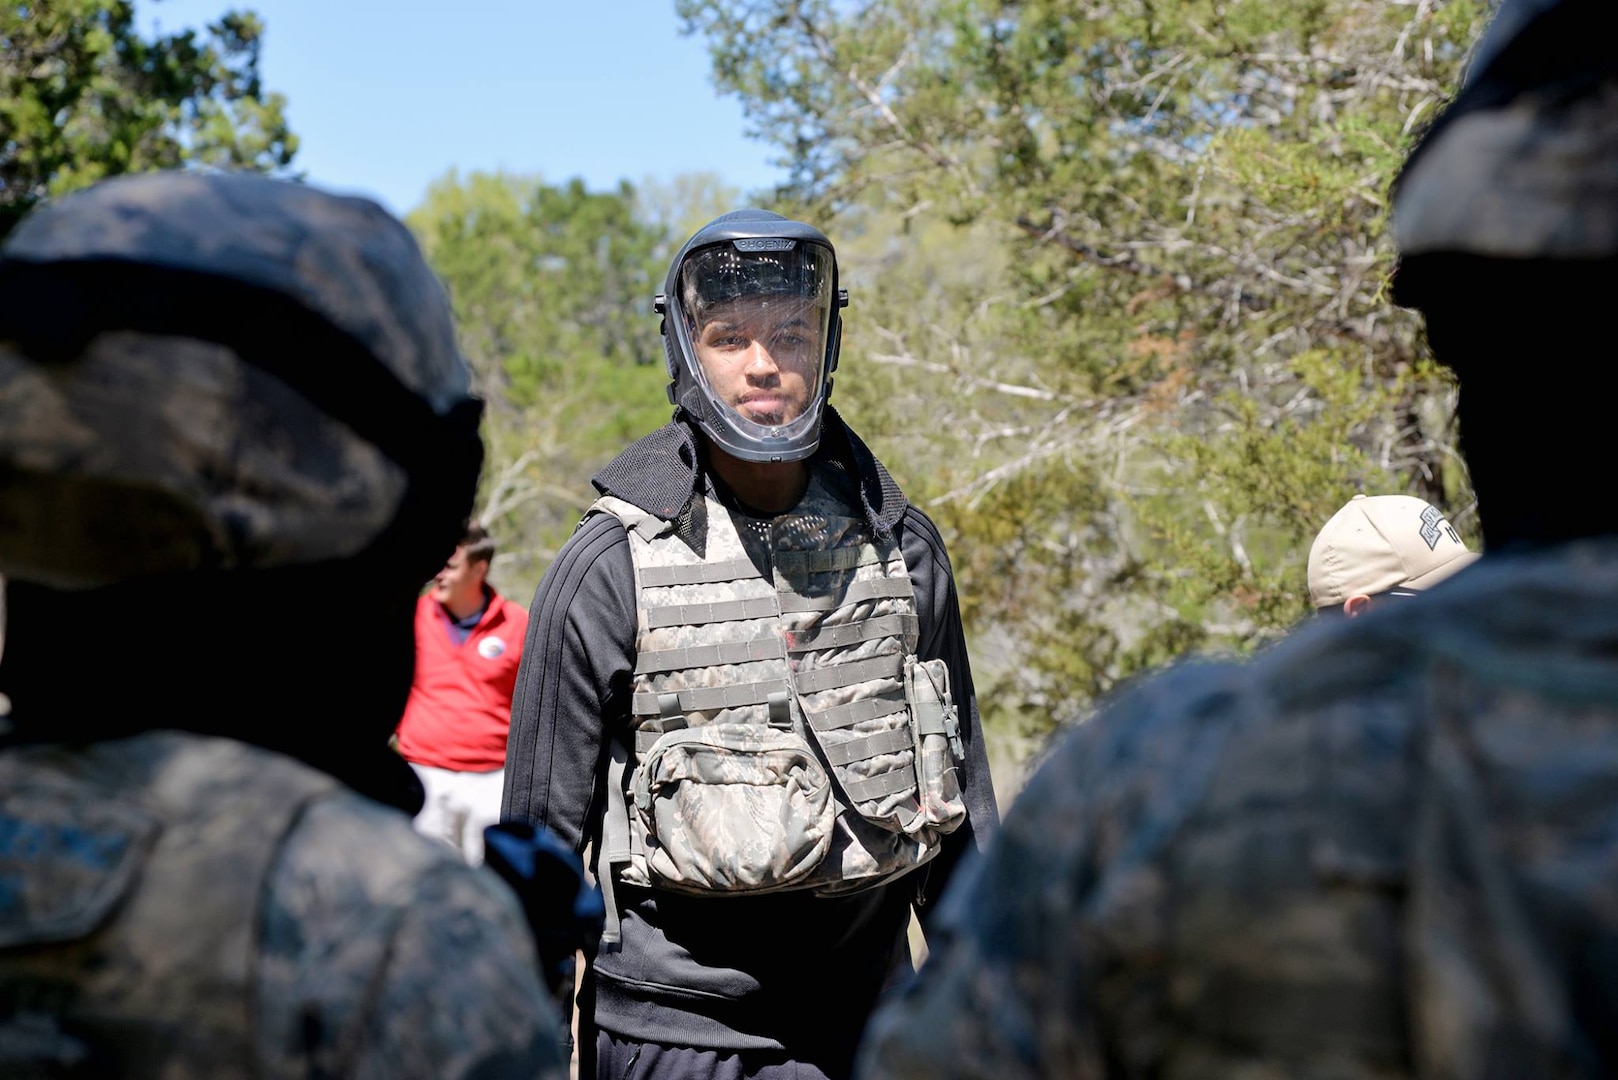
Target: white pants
(458,806)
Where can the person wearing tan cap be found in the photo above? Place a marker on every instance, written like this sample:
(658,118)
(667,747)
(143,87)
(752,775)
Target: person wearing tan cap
(1382,545)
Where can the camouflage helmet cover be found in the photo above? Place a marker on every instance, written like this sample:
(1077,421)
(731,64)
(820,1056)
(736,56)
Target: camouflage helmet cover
(220,371)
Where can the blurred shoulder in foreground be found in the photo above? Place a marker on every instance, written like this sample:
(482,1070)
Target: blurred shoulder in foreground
(1386,848)
(1389,846)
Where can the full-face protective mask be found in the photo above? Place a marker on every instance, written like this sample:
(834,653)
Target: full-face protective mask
(751,328)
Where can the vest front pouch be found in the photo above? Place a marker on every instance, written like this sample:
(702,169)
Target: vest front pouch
(849,623)
(732,808)
(872,752)
(939,749)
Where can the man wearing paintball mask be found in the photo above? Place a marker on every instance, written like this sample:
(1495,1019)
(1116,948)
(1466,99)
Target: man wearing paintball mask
(746,687)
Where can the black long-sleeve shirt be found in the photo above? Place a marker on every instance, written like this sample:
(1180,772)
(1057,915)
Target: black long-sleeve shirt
(789,972)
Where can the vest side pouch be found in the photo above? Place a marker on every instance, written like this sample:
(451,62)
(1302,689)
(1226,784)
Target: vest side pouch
(733,808)
(939,750)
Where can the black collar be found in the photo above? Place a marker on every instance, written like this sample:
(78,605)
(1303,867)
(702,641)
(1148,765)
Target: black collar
(662,475)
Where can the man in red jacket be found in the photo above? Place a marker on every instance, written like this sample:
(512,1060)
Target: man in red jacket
(453,733)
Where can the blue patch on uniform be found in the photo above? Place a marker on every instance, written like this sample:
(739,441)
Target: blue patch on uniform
(24,841)
(63,865)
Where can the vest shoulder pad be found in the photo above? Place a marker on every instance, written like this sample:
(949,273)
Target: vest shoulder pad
(644,524)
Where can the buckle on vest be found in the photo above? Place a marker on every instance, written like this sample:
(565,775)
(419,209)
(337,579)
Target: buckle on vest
(952,730)
(781,710)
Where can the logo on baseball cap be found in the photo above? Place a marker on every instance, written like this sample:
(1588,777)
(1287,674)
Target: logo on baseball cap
(1379,543)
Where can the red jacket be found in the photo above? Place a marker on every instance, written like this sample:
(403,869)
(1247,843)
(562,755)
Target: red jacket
(460,703)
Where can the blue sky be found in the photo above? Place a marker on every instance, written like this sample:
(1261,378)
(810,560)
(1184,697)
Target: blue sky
(388,95)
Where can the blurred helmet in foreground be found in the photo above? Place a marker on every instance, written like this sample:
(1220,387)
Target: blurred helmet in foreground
(225,372)
(1524,163)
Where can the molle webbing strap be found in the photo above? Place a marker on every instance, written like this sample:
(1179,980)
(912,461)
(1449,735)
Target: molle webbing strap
(882,785)
(764,647)
(854,712)
(615,850)
(869,746)
(872,589)
(707,698)
(761,607)
(820,562)
(668,709)
(832,676)
(646,739)
(852,633)
(697,573)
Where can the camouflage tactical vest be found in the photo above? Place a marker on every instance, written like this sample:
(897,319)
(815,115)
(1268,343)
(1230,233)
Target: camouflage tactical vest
(130,879)
(785,734)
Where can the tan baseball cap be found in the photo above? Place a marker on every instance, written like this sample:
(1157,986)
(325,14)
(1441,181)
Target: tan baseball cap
(1381,542)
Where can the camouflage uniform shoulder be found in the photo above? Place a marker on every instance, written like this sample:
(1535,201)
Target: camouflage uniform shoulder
(1007,991)
(383,955)
(1239,870)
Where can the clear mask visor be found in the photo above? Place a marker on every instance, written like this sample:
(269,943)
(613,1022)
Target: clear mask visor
(758,315)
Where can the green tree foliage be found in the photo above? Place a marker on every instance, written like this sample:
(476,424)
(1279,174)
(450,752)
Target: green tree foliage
(552,288)
(84,96)
(1123,323)
(681,206)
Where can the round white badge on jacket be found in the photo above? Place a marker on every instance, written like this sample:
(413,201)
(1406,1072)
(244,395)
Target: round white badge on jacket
(491,647)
